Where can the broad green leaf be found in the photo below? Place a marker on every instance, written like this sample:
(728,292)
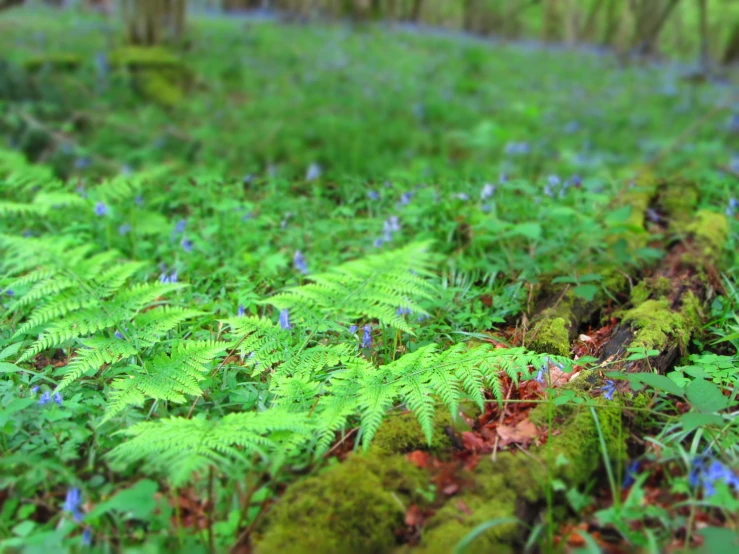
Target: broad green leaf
(587,292)
(706,396)
(693,420)
(138,501)
(660,382)
(529,230)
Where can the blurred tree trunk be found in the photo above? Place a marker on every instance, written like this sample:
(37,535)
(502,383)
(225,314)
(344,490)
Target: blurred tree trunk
(731,52)
(5,4)
(705,55)
(650,17)
(153,22)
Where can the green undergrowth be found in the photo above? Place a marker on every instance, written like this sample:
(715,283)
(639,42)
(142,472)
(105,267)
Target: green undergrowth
(224,266)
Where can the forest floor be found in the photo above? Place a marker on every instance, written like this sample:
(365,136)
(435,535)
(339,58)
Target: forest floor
(313,288)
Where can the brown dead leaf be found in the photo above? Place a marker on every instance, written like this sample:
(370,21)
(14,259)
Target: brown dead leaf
(415,517)
(523,433)
(420,459)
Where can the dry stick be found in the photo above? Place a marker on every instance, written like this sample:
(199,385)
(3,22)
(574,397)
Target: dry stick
(210,510)
(494,455)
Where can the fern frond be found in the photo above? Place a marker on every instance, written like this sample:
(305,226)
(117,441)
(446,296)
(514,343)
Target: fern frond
(94,354)
(181,447)
(167,377)
(373,288)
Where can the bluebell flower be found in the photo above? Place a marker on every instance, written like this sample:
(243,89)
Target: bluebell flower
(487,208)
(576,181)
(632,471)
(87,536)
(517,148)
(462,196)
(609,389)
(82,163)
(707,472)
(300,262)
(378,242)
(187,244)
(101,209)
(180,227)
(45,398)
(373,195)
(124,229)
(242,311)
(35,389)
(171,278)
(504,178)
(733,207)
(423,317)
(10,292)
(58,398)
(734,164)
(406,198)
(247,216)
(82,191)
(572,127)
(119,335)
(139,200)
(404,311)
(554,180)
(488,191)
(285,319)
(73,503)
(367,337)
(392,225)
(127,170)
(102,64)
(313,172)
(353,329)
(541,375)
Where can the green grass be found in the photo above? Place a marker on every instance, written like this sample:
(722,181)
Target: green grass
(402,125)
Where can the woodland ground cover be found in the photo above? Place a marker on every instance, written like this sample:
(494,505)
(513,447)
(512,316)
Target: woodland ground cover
(351,289)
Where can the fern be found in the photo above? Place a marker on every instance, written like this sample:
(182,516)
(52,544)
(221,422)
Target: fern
(181,447)
(373,288)
(165,377)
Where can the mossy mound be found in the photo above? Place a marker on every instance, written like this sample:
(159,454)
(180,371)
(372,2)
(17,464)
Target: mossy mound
(711,231)
(61,61)
(656,323)
(506,487)
(402,433)
(552,336)
(159,75)
(355,506)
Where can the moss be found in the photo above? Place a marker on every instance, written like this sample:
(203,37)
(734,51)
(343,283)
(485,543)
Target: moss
(500,489)
(159,75)
(354,506)
(655,322)
(552,336)
(650,288)
(679,199)
(58,62)
(641,293)
(711,231)
(402,434)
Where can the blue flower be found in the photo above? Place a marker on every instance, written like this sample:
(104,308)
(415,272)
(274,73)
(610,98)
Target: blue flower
(285,319)
(572,127)
(404,311)
(180,227)
(609,389)
(242,311)
(119,335)
(632,471)
(101,209)
(353,329)
(733,207)
(314,172)
(541,375)
(127,170)
(172,278)
(139,200)
(367,337)
(708,472)
(82,163)
(45,398)
(187,245)
(406,198)
(463,196)
(300,262)
(488,191)
(378,242)
(373,195)
(124,229)
(87,536)
(10,292)
(35,389)
(58,398)
(73,503)
(392,225)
